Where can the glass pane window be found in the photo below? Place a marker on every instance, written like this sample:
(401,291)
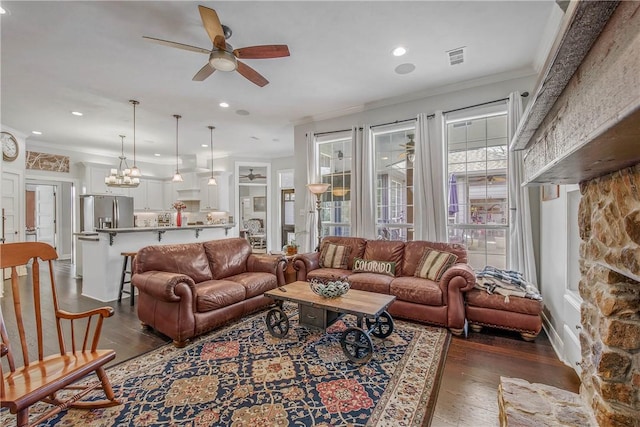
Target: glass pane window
(478,202)
(334,167)
(394,154)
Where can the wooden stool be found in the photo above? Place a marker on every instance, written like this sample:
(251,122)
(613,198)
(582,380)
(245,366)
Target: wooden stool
(127,256)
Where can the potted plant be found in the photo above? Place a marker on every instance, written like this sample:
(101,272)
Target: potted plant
(291,248)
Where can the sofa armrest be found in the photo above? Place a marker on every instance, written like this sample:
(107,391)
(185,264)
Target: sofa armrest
(274,264)
(466,275)
(304,263)
(161,284)
(454,282)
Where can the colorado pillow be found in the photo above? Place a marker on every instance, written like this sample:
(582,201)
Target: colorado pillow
(372,266)
(334,256)
(434,263)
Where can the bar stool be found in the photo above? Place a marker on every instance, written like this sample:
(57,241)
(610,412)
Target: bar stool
(128,259)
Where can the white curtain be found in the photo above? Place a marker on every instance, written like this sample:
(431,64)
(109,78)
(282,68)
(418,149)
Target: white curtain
(311,241)
(521,257)
(430,217)
(363,182)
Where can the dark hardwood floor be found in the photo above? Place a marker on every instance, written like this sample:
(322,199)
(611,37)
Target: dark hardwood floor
(468,389)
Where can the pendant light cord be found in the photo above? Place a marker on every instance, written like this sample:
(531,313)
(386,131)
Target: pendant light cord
(211,128)
(177,118)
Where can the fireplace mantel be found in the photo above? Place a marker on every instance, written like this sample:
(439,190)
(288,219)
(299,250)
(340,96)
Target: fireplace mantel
(584,118)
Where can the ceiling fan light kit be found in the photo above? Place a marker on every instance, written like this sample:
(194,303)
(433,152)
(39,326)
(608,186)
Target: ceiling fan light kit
(223,61)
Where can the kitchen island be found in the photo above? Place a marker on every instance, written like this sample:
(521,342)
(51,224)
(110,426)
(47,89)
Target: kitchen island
(102,259)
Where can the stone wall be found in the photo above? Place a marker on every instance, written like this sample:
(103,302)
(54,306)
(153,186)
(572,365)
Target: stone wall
(609,221)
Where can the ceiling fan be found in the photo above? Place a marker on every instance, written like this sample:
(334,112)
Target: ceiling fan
(409,149)
(253,176)
(222,56)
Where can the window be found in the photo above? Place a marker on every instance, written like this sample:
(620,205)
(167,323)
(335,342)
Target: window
(394,154)
(478,187)
(334,161)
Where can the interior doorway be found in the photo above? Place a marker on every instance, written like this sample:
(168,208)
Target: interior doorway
(41,213)
(254,207)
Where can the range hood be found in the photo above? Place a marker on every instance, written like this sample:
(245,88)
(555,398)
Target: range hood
(188,195)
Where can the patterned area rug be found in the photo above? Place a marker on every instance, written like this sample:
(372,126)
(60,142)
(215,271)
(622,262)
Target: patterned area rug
(242,376)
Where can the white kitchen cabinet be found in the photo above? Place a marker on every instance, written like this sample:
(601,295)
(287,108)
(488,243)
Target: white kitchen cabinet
(208,195)
(170,191)
(95,182)
(149,196)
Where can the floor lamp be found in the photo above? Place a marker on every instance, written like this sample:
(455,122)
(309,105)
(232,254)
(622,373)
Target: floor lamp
(318,189)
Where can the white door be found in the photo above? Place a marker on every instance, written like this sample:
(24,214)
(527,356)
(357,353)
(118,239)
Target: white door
(10,207)
(46,214)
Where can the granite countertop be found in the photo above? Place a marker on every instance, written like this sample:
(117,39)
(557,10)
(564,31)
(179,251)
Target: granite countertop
(155,229)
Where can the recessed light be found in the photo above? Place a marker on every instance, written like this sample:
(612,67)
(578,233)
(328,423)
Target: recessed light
(204,146)
(385,158)
(224,105)
(156,154)
(36,132)
(405,68)
(76,113)
(2,11)
(399,51)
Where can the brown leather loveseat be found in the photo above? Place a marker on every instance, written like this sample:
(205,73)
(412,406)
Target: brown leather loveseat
(438,302)
(188,289)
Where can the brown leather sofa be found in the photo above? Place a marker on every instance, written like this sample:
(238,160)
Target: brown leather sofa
(440,303)
(188,289)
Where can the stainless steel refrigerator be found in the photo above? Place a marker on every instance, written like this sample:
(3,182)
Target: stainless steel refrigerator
(103,211)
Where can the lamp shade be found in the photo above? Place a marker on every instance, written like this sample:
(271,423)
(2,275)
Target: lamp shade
(318,188)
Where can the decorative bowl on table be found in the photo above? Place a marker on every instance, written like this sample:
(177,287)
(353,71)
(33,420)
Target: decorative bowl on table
(329,288)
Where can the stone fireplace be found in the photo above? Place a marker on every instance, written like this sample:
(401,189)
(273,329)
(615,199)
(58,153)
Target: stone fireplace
(609,221)
(583,126)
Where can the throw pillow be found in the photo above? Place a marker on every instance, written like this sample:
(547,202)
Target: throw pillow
(335,256)
(434,263)
(372,266)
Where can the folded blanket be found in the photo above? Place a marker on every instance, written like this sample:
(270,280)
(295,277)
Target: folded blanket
(506,282)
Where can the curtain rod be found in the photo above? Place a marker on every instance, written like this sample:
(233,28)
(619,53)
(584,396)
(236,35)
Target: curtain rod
(430,116)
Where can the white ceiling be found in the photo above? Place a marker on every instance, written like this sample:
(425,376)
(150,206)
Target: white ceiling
(59,57)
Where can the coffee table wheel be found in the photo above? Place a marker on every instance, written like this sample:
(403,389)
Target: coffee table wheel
(357,345)
(382,326)
(277,322)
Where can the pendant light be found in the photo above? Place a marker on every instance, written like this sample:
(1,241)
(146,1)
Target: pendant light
(212,180)
(177,177)
(135,172)
(121,177)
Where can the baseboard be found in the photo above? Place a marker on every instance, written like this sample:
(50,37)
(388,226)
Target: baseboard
(554,338)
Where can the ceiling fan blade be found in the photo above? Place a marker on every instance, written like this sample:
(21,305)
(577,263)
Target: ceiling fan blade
(212,24)
(251,74)
(204,72)
(262,52)
(178,45)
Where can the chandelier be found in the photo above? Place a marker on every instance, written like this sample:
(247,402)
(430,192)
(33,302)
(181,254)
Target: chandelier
(122,177)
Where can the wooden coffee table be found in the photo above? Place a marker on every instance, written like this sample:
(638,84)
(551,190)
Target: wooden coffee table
(317,312)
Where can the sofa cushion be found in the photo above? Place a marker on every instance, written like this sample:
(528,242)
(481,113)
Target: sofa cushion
(371,282)
(357,245)
(480,298)
(189,259)
(434,263)
(227,257)
(328,274)
(373,266)
(334,256)
(255,283)
(215,294)
(385,250)
(417,290)
(414,250)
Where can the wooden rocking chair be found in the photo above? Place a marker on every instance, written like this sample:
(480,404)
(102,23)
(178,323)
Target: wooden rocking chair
(41,379)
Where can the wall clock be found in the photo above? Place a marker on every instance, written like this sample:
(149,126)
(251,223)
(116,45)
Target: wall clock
(10,147)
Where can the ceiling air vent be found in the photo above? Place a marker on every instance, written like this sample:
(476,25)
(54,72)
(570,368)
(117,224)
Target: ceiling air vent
(456,56)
